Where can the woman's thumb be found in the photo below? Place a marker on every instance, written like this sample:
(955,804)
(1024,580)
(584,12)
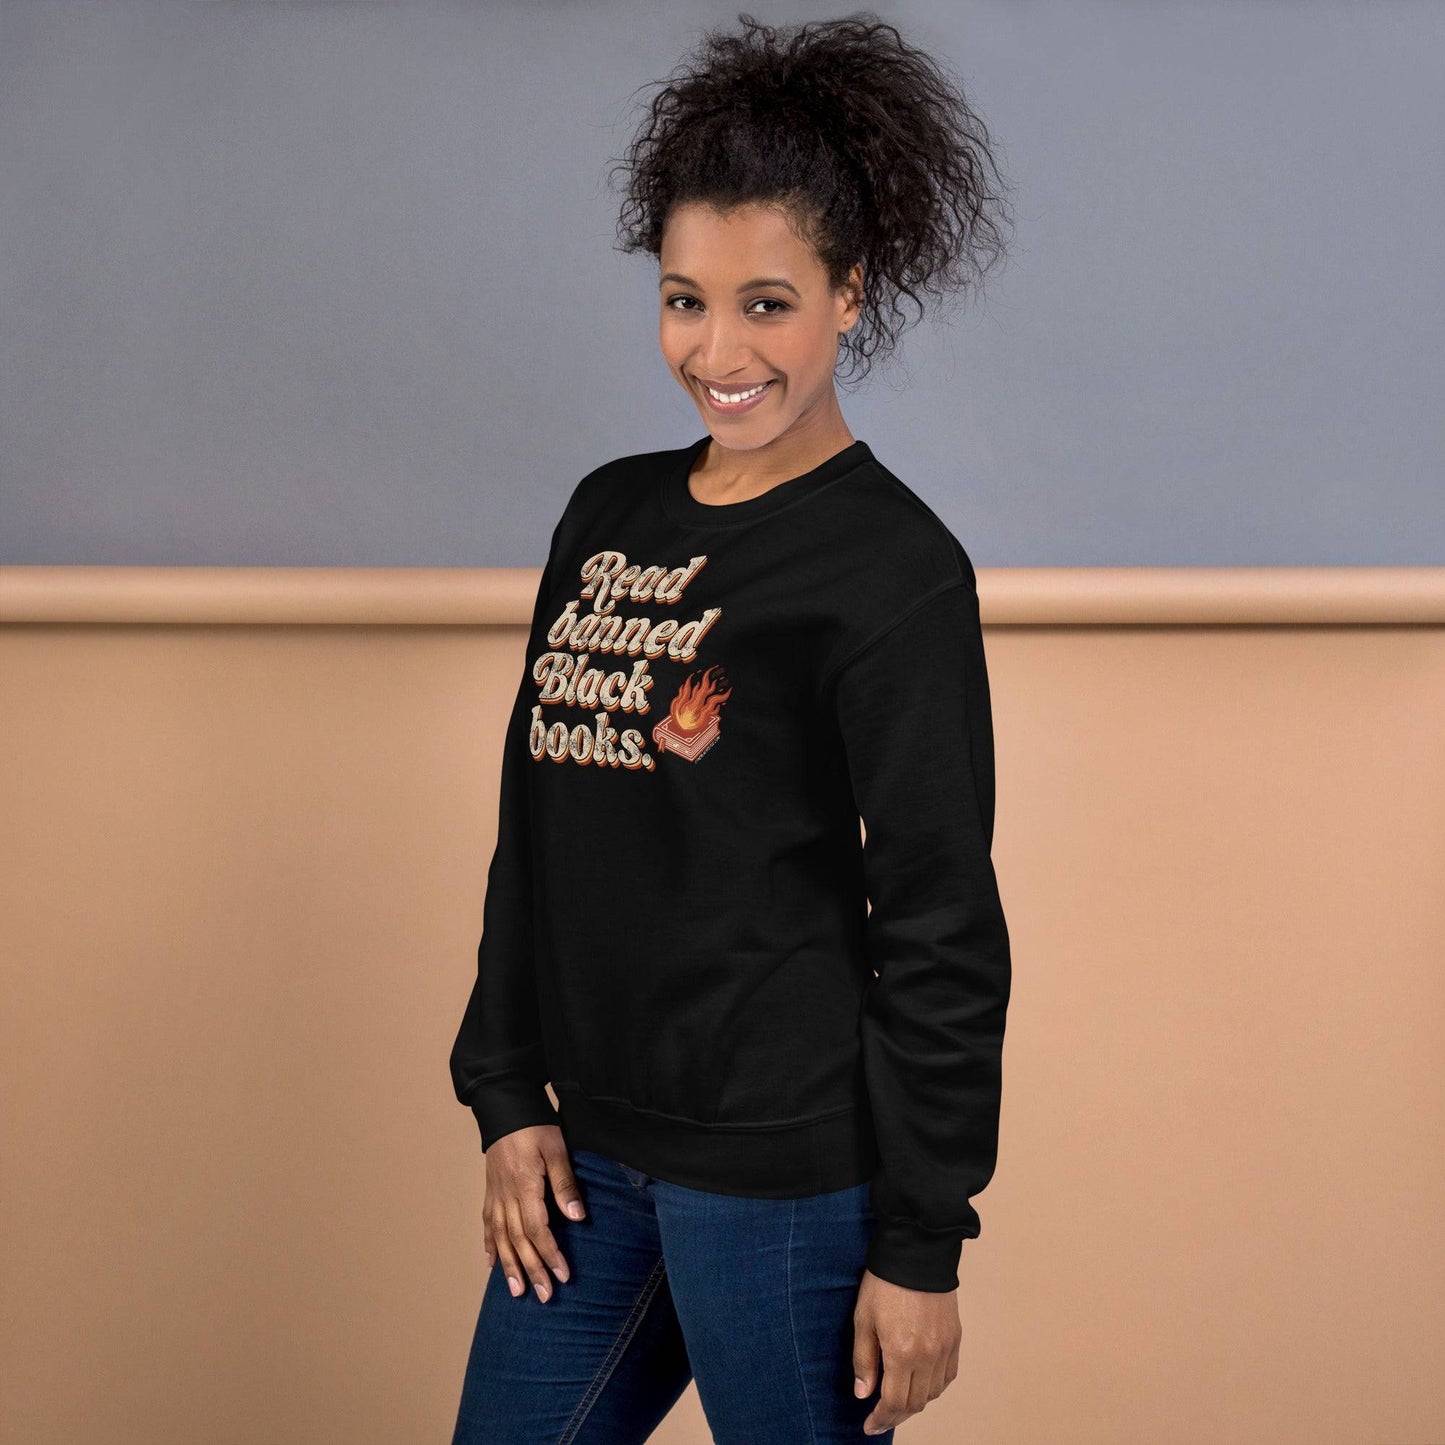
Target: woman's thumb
(564,1186)
(865,1362)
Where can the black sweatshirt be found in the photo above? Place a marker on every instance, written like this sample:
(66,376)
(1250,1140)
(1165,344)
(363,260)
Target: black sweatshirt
(677,932)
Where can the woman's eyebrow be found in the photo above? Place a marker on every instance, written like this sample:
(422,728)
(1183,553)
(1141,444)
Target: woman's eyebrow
(746,286)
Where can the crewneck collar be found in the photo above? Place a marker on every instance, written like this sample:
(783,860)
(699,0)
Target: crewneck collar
(680,504)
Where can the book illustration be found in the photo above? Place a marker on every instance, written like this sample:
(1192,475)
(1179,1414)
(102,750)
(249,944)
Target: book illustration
(692,724)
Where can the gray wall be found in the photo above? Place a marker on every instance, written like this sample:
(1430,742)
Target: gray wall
(333,283)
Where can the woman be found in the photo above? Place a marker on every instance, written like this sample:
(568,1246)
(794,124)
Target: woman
(760,1169)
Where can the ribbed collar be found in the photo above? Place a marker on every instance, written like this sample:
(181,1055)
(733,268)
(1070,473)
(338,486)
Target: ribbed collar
(680,504)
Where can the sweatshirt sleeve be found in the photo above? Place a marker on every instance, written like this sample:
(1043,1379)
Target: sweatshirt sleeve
(913,709)
(498,1066)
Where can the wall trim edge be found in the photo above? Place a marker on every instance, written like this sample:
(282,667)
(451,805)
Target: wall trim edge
(503,596)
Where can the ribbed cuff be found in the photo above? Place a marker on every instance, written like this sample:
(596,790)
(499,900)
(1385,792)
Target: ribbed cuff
(506,1105)
(916,1258)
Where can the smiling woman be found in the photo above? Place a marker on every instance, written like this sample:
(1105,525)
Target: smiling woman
(794,192)
(776,1049)
(757,354)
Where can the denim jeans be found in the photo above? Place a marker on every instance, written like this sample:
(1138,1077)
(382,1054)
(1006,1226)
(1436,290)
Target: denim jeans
(752,1297)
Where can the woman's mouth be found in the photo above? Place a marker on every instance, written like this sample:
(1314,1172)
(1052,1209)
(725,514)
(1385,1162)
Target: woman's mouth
(735,399)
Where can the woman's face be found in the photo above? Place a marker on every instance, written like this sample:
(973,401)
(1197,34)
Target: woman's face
(745,303)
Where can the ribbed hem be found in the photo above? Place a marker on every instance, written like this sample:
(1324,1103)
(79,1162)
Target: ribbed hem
(789,1161)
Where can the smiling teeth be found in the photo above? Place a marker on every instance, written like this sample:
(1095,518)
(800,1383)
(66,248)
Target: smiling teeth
(734,396)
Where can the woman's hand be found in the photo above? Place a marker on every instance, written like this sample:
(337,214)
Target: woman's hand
(514,1214)
(918,1332)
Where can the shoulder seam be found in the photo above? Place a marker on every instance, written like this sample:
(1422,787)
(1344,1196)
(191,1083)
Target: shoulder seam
(914,500)
(880,633)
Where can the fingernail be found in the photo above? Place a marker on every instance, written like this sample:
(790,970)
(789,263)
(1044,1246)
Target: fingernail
(562,1274)
(574,1209)
(859,1387)
(514,1284)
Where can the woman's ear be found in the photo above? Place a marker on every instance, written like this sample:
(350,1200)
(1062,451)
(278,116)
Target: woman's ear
(853,285)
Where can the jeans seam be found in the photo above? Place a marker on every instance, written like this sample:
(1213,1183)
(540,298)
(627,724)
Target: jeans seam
(619,1346)
(793,1329)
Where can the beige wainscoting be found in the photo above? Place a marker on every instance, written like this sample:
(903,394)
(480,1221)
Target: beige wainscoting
(245,817)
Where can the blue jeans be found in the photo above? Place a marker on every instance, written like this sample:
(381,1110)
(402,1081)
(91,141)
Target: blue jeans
(752,1297)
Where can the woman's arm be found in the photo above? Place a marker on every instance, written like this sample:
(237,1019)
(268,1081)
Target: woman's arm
(497,1064)
(913,708)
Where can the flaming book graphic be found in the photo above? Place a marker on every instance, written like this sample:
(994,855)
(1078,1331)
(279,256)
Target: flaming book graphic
(691,725)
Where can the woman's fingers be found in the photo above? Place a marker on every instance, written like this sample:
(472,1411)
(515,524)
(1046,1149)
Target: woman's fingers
(507,1257)
(894,1394)
(533,1211)
(526,1252)
(520,1165)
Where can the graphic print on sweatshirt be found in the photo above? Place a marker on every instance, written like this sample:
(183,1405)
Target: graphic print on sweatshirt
(582,670)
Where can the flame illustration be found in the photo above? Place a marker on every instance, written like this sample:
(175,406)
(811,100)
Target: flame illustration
(697,704)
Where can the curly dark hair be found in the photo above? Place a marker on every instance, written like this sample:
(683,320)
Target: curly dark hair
(865,141)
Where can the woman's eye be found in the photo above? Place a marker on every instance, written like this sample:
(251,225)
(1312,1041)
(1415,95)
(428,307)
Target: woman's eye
(761,301)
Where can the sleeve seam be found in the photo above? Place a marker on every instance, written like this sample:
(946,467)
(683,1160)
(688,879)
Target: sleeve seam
(880,633)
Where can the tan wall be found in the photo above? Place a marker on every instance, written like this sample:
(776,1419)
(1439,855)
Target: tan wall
(243,858)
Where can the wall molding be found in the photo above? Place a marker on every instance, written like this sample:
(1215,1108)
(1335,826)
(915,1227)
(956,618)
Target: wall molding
(503,596)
